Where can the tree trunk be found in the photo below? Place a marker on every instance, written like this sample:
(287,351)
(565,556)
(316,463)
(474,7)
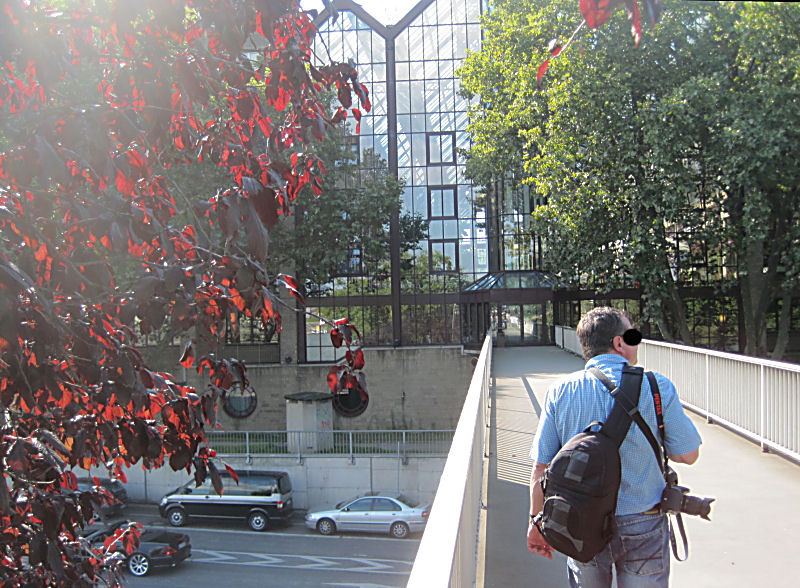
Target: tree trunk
(784,322)
(752,285)
(678,312)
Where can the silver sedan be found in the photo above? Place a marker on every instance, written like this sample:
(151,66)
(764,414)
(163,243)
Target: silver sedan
(377,513)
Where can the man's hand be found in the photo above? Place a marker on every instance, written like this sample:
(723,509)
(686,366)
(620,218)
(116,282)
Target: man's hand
(537,543)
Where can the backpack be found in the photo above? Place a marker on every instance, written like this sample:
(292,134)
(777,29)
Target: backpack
(582,481)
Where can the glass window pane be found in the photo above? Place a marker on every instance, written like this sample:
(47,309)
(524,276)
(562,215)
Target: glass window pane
(403,97)
(431,68)
(436,202)
(474,37)
(449,202)
(401,46)
(403,149)
(418,149)
(447,68)
(402,70)
(459,11)
(421,202)
(415,43)
(364,46)
(434,148)
(447,148)
(431,95)
(417,96)
(459,42)
(473,10)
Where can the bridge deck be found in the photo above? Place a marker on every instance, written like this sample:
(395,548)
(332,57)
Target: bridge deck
(755,530)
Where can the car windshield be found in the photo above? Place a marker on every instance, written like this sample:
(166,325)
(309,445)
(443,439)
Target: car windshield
(346,502)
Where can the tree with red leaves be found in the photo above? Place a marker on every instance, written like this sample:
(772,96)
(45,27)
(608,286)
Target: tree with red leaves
(99,99)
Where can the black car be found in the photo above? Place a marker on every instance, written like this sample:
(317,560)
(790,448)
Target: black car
(157,547)
(115,488)
(260,498)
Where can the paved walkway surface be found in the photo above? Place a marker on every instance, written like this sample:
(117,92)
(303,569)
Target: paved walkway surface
(754,535)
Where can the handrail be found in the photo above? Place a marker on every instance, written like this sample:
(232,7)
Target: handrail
(448,549)
(754,397)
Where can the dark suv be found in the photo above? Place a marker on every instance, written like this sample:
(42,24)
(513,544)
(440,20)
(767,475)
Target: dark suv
(260,498)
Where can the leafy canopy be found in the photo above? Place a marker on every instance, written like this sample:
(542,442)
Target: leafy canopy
(98,98)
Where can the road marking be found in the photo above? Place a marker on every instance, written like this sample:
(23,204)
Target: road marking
(300,534)
(308,562)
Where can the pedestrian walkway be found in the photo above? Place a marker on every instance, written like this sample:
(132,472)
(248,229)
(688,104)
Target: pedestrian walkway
(755,529)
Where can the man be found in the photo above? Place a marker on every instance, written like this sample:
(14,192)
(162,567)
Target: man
(639,549)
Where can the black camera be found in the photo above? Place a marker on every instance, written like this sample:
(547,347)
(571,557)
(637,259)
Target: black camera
(676,499)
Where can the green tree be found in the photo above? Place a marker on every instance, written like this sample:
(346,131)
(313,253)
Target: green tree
(646,154)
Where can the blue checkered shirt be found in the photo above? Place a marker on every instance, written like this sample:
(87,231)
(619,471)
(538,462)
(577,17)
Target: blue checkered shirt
(578,399)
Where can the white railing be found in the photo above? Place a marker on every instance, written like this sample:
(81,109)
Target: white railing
(757,398)
(567,338)
(326,443)
(447,554)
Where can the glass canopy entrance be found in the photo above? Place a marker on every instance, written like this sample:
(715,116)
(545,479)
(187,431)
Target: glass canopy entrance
(518,305)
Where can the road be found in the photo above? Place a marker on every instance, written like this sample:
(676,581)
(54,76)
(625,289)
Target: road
(228,553)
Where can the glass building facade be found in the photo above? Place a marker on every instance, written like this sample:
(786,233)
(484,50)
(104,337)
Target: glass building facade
(418,126)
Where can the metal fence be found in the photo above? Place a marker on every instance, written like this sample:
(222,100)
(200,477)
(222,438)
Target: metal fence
(757,398)
(306,444)
(448,553)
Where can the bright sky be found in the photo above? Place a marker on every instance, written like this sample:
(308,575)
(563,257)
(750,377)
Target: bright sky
(386,11)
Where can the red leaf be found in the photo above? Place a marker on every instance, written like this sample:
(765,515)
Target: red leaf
(636,20)
(266,206)
(358,359)
(187,356)
(232,473)
(542,69)
(216,479)
(333,379)
(597,12)
(257,234)
(291,284)
(336,338)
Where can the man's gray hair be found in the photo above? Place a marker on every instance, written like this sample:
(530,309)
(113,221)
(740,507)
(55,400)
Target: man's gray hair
(597,330)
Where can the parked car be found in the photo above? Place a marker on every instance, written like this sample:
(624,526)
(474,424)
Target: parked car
(373,512)
(157,547)
(115,488)
(260,498)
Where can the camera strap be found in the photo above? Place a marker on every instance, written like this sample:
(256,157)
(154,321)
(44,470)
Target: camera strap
(659,449)
(651,378)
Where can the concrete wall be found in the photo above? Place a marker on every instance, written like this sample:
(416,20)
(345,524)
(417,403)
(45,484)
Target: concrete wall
(317,482)
(409,388)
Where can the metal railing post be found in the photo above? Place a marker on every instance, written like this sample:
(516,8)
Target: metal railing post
(763,409)
(352,456)
(708,389)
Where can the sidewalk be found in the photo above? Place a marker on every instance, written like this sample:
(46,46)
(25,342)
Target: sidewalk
(755,529)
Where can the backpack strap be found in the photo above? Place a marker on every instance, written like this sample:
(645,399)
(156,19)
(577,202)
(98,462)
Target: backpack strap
(626,401)
(629,397)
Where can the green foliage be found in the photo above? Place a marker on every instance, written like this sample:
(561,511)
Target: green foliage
(671,164)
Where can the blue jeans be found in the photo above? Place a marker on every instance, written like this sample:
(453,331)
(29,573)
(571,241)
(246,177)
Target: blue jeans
(639,551)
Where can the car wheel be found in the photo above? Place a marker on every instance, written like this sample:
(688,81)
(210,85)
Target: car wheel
(258,521)
(326,527)
(399,530)
(138,564)
(176,517)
